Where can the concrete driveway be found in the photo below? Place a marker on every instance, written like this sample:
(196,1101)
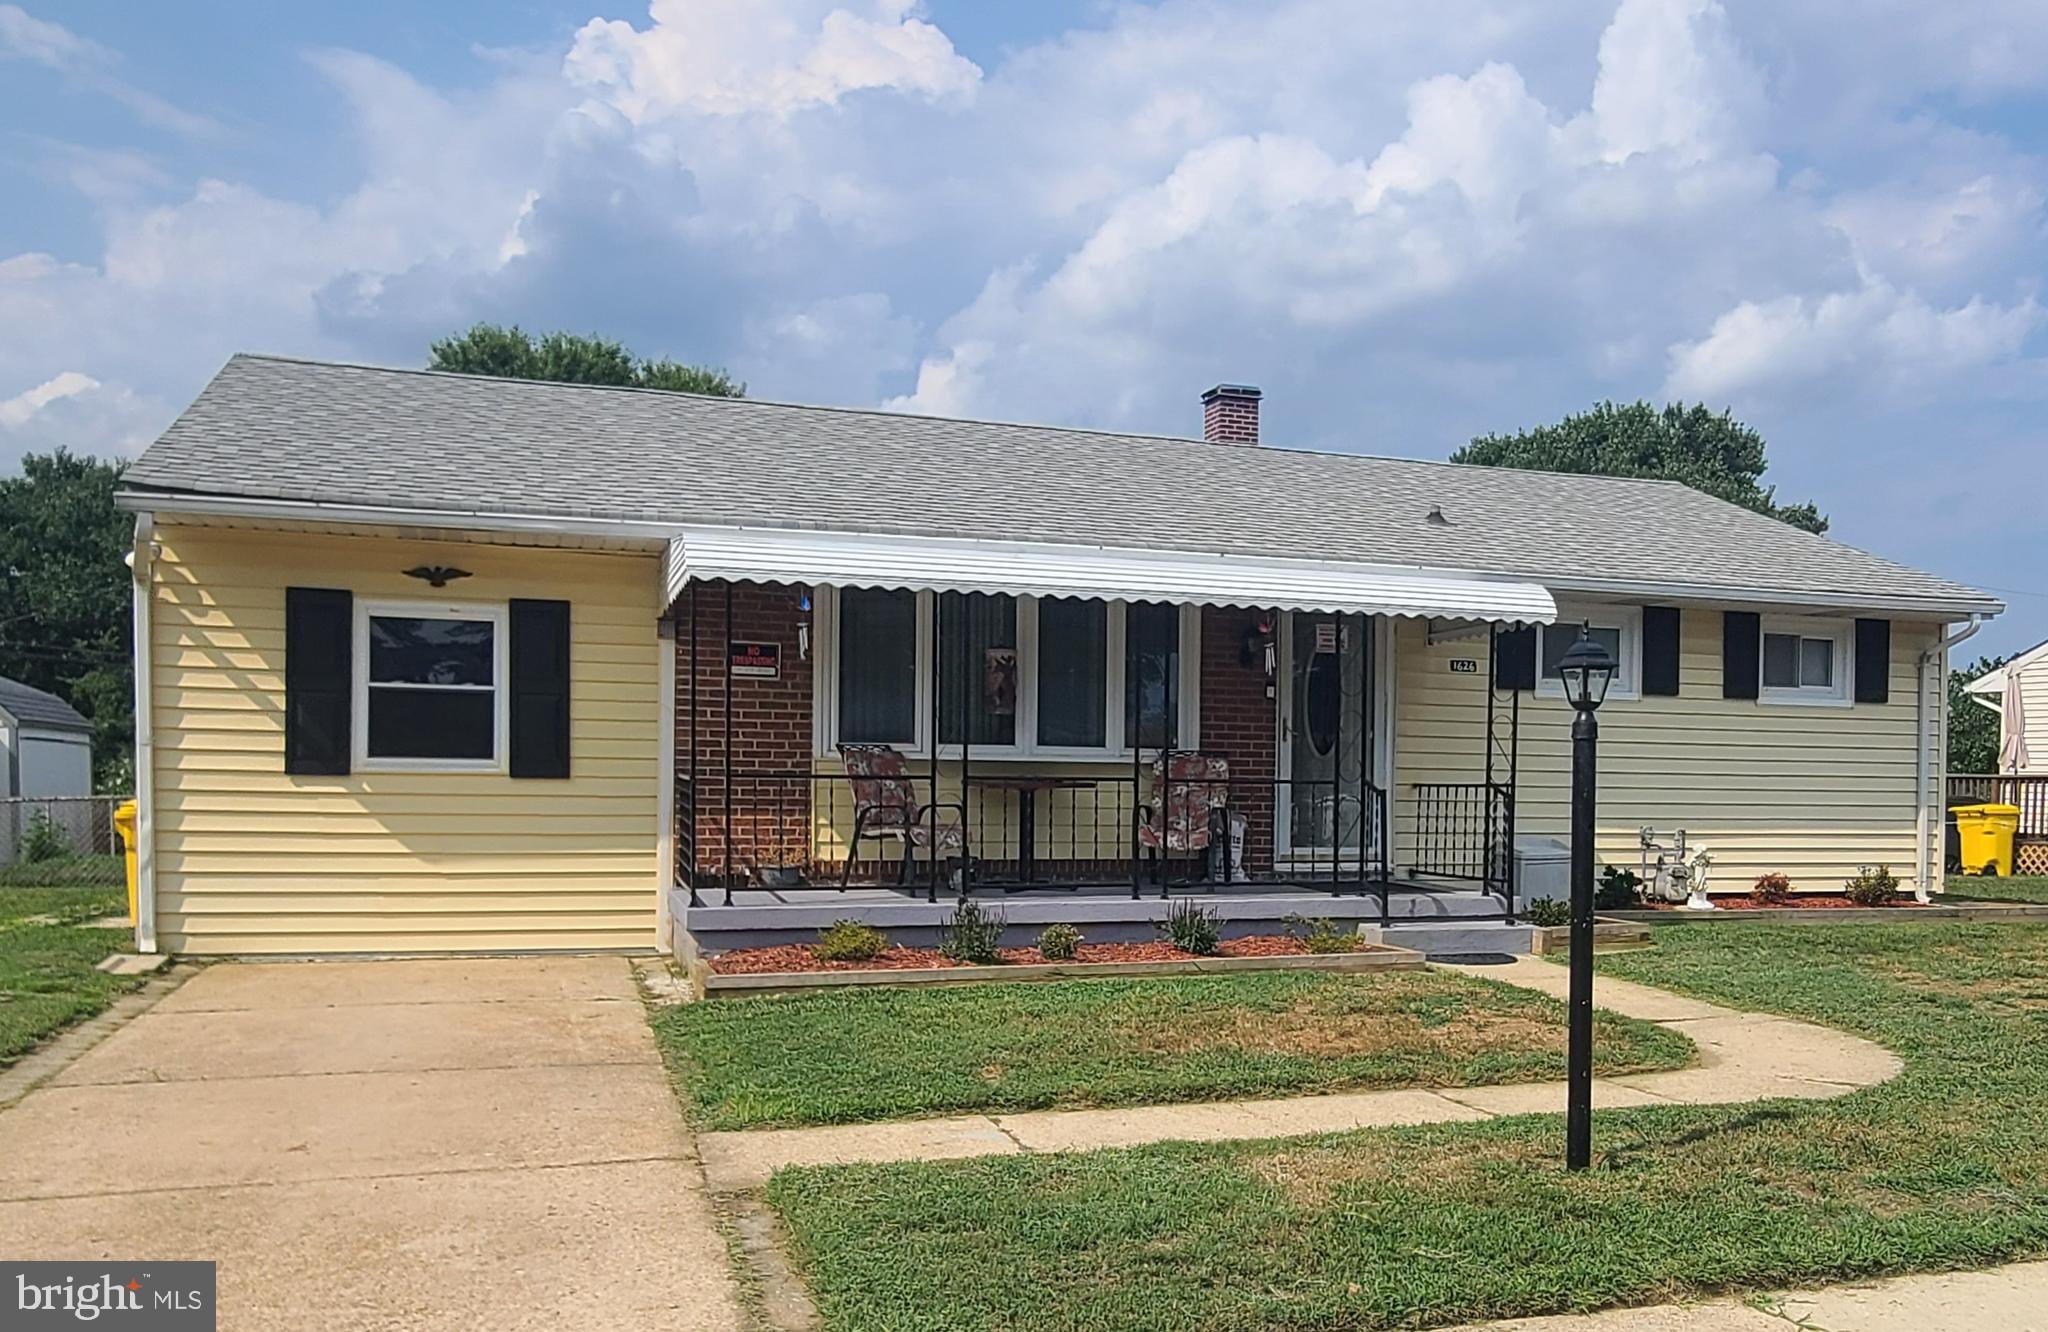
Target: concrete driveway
(430,1144)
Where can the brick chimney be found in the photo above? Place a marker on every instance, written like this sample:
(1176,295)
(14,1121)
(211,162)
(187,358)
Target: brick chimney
(1230,414)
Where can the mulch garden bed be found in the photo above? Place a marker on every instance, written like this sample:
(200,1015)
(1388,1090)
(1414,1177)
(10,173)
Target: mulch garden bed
(1797,902)
(801,957)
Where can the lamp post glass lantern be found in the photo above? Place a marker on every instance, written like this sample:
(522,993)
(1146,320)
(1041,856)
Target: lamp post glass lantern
(1586,670)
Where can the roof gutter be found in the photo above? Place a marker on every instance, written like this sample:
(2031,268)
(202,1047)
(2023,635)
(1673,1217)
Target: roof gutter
(1924,816)
(1945,610)
(171,504)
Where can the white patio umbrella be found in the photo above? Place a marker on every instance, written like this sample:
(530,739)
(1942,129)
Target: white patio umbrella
(2012,747)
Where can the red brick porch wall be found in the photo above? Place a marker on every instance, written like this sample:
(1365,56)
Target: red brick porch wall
(771,727)
(1240,722)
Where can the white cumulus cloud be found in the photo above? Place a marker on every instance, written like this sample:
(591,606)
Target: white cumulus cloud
(22,407)
(1890,338)
(733,57)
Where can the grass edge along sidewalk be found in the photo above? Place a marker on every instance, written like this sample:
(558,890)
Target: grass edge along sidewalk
(1944,1166)
(857,1056)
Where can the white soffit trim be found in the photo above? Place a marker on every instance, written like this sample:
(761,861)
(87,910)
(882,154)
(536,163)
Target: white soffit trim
(844,559)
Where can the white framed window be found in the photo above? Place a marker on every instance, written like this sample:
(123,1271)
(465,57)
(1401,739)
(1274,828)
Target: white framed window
(430,687)
(1805,659)
(1025,677)
(1617,628)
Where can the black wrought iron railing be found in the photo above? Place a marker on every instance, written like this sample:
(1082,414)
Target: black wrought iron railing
(794,830)
(1465,832)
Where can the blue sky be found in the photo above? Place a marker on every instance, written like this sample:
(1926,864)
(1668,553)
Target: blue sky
(1409,224)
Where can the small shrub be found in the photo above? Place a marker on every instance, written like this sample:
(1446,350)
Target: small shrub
(1548,911)
(1619,889)
(1773,889)
(1191,927)
(43,840)
(1873,887)
(849,941)
(1320,934)
(1059,943)
(972,934)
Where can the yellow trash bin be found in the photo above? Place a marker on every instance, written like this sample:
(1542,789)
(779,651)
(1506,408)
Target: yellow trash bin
(1986,833)
(124,823)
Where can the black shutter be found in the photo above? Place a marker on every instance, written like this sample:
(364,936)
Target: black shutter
(1514,658)
(1660,650)
(1873,661)
(1742,647)
(540,688)
(319,624)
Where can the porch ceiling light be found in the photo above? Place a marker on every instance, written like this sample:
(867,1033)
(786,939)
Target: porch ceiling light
(1587,668)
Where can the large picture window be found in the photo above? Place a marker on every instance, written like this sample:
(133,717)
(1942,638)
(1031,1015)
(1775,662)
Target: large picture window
(430,686)
(1073,673)
(979,669)
(877,654)
(1015,676)
(1153,632)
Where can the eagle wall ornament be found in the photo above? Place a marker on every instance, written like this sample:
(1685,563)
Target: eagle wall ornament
(436,575)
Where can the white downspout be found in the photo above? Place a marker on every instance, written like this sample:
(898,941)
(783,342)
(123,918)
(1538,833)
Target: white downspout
(1930,798)
(665,779)
(142,564)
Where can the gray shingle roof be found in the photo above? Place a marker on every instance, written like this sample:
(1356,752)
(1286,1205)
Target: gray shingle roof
(35,707)
(356,435)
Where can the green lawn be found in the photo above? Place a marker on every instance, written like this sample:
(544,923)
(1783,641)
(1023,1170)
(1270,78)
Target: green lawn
(47,980)
(1945,1166)
(1971,888)
(841,1056)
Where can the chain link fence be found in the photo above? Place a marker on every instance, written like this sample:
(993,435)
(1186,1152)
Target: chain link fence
(60,841)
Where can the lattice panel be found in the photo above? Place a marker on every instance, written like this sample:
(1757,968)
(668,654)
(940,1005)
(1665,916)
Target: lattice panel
(2030,858)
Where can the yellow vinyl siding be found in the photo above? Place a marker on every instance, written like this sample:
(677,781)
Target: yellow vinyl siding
(251,859)
(1813,791)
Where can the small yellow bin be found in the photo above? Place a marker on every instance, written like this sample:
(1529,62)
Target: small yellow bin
(124,823)
(1986,833)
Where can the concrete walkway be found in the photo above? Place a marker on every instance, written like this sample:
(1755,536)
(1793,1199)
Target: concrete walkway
(2011,1299)
(1743,1057)
(432,1144)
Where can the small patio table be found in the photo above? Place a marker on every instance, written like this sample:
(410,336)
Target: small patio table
(1027,789)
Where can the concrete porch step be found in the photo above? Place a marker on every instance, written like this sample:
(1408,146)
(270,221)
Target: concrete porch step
(1464,939)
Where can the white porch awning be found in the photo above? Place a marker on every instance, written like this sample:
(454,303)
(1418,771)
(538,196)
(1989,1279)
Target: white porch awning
(1111,573)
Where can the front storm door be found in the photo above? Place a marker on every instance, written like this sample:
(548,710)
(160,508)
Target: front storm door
(1326,734)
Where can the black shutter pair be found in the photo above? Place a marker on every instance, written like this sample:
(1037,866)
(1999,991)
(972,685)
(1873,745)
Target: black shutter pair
(319,656)
(1742,645)
(1514,653)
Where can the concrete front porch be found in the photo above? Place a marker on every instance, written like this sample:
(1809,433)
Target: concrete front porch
(1435,920)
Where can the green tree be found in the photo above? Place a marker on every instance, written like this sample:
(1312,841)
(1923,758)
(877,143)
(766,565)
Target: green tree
(65,598)
(1709,452)
(1973,729)
(572,358)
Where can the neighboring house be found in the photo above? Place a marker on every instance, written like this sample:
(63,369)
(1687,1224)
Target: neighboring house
(1988,689)
(45,744)
(435,662)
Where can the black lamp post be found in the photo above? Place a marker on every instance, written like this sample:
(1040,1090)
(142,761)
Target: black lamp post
(1586,670)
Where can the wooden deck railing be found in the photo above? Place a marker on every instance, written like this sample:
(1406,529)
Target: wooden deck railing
(2030,794)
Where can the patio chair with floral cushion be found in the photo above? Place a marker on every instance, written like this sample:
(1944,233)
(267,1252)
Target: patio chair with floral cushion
(1189,803)
(886,804)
